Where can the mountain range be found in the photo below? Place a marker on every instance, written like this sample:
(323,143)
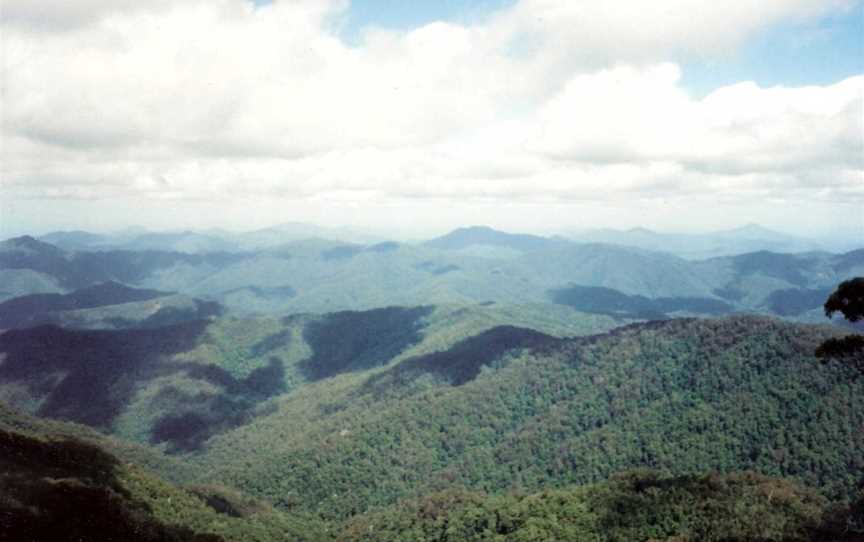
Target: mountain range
(197,242)
(482,385)
(108,305)
(746,238)
(694,246)
(470,265)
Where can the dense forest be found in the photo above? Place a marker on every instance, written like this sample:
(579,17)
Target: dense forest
(580,412)
(403,407)
(70,489)
(680,397)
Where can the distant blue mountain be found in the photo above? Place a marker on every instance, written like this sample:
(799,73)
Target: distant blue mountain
(483,235)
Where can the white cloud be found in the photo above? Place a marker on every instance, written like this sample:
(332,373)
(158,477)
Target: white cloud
(632,29)
(545,101)
(632,115)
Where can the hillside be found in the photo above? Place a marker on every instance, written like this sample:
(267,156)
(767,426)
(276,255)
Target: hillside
(681,396)
(21,282)
(629,507)
(341,414)
(405,396)
(59,487)
(179,384)
(59,483)
(79,269)
(157,312)
(353,410)
(38,309)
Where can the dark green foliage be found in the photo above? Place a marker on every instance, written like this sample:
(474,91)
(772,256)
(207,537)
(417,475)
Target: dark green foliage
(843,522)
(633,507)
(353,341)
(57,458)
(505,413)
(849,347)
(848,300)
(597,300)
(67,490)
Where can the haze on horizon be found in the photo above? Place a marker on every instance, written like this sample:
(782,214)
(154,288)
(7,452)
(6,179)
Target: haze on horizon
(531,115)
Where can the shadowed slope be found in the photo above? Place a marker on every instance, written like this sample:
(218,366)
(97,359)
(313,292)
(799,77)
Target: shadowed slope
(464,361)
(26,310)
(354,341)
(92,377)
(68,490)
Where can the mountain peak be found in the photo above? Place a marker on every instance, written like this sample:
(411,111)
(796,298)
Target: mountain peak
(484,235)
(27,243)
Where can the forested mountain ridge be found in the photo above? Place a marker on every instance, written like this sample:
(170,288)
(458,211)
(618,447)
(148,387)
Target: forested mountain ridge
(181,383)
(744,239)
(326,276)
(79,269)
(108,305)
(342,414)
(679,396)
(696,246)
(59,483)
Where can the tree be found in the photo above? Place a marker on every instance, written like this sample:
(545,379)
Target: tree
(848,300)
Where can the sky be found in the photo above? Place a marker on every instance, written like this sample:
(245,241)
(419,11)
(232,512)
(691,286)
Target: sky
(412,118)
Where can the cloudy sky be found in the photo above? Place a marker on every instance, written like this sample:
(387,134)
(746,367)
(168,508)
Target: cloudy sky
(415,117)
